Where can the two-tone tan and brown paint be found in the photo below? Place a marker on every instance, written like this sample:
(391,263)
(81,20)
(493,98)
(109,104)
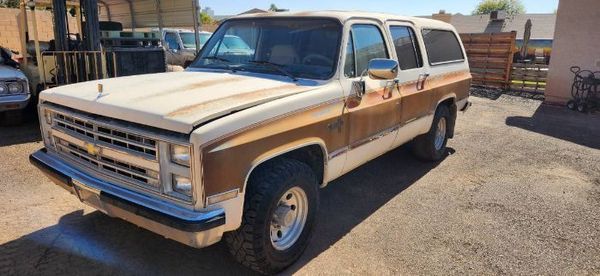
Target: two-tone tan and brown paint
(237,121)
(228,160)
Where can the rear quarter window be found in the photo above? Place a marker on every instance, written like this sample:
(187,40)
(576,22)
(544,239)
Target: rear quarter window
(442,46)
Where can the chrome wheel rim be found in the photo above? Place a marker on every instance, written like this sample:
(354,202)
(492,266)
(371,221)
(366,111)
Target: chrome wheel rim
(440,134)
(289,218)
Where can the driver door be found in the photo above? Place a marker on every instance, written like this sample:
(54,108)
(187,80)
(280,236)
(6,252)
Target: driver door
(173,48)
(372,117)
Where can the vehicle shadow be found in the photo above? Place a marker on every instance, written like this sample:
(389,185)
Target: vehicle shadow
(562,123)
(26,132)
(349,200)
(94,243)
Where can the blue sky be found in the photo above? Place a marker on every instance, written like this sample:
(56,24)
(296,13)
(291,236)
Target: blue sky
(403,7)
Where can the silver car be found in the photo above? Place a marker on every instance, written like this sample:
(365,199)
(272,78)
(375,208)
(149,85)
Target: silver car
(14,89)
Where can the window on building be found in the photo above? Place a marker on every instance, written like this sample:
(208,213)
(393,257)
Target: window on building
(407,47)
(442,46)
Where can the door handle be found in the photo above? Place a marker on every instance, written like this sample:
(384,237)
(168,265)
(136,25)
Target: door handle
(389,89)
(421,81)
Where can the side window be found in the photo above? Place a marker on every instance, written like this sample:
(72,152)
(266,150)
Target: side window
(171,40)
(368,44)
(350,65)
(407,47)
(442,46)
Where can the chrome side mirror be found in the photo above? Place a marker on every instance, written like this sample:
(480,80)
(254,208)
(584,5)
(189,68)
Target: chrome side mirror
(383,69)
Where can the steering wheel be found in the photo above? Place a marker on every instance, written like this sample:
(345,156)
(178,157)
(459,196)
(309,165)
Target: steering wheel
(310,57)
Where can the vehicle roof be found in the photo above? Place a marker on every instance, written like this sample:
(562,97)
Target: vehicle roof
(179,30)
(346,15)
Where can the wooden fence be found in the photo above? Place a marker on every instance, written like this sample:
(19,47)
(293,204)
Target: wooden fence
(490,57)
(529,77)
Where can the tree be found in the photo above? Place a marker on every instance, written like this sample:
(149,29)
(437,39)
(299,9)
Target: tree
(512,7)
(9,4)
(273,8)
(206,19)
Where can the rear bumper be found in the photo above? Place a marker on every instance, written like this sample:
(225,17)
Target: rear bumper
(196,229)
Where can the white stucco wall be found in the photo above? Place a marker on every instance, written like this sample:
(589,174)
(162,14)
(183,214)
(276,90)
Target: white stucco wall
(576,42)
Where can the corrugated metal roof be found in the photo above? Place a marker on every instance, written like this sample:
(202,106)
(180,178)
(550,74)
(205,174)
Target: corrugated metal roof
(174,13)
(543,24)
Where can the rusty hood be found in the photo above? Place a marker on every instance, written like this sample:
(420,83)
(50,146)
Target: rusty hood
(176,101)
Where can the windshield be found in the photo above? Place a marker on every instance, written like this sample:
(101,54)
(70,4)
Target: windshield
(235,42)
(298,47)
(189,40)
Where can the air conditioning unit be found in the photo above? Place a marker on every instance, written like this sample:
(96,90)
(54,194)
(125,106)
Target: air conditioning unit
(498,16)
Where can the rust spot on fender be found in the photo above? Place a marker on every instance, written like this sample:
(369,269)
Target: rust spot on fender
(239,99)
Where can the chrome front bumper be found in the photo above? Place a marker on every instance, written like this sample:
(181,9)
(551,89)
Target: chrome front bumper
(196,229)
(15,102)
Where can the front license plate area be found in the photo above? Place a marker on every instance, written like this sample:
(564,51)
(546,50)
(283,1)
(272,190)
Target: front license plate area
(85,193)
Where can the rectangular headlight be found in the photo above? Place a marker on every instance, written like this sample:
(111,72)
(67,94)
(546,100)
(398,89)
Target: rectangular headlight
(180,155)
(16,88)
(182,185)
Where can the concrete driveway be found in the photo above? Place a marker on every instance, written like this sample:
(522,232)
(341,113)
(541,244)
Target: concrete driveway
(519,193)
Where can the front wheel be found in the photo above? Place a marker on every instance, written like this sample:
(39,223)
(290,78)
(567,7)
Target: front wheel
(280,209)
(431,146)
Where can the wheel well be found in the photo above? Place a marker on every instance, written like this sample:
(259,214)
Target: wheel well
(311,155)
(451,104)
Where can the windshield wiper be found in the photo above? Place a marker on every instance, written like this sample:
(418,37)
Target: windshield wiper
(223,61)
(275,66)
(217,58)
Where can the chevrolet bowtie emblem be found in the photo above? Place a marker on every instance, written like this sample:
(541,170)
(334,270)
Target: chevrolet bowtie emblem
(92,149)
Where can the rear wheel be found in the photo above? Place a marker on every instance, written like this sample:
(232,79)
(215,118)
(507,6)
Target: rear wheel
(431,146)
(279,213)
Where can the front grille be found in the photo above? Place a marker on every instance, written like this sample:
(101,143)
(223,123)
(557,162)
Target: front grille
(103,134)
(124,153)
(81,131)
(108,165)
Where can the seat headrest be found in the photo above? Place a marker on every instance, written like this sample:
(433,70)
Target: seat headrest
(283,54)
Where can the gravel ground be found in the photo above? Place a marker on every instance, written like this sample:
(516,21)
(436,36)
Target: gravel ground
(519,193)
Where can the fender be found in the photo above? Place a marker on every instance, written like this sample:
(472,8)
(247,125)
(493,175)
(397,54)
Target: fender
(453,108)
(446,97)
(278,151)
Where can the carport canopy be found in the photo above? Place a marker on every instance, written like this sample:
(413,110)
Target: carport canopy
(149,13)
